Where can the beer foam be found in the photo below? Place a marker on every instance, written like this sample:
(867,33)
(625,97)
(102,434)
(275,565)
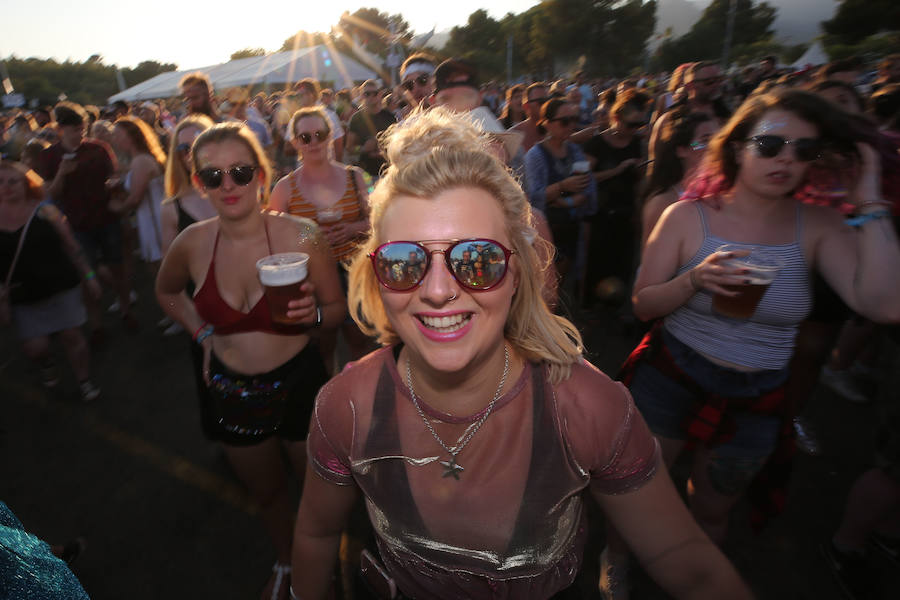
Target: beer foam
(282,269)
(756,275)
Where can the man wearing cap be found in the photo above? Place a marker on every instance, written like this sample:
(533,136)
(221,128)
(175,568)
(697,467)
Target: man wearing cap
(370,120)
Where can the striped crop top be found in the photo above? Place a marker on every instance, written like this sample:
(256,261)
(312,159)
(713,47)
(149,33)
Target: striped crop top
(766,340)
(348,205)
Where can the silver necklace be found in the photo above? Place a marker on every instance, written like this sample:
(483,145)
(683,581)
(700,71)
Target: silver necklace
(451,467)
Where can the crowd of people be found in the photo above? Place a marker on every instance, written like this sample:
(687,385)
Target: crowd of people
(454,231)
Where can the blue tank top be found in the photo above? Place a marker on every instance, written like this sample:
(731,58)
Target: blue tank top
(766,340)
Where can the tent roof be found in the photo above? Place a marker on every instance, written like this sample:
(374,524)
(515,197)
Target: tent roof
(318,62)
(814,56)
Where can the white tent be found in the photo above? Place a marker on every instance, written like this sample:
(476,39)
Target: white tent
(318,62)
(814,56)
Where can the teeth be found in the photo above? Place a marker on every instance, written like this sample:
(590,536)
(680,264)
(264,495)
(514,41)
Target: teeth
(445,324)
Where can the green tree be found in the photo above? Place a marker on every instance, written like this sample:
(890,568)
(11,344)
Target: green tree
(855,20)
(482,41)
(88,82)
(248,53)
(372,29)
(752,24)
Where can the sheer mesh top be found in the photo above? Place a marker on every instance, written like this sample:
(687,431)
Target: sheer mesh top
(513,525)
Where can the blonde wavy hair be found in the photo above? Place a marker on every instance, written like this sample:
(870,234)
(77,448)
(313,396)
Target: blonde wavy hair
(429,153)
(178,178)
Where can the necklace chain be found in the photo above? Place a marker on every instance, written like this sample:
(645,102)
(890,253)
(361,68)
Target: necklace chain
(452,467)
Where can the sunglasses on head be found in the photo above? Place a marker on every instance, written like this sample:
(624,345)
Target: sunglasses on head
(769,146)
(305,137)
(213,178)
(565,121)
(421,80)
(401,266)
(183,148)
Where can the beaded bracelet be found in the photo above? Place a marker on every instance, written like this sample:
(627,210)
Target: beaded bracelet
(872,216)
(693,276)
(90,275)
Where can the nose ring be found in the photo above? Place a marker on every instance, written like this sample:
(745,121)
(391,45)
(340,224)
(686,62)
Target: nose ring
(452,298)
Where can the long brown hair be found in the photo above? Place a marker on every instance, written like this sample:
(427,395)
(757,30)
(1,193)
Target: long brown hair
(143,137)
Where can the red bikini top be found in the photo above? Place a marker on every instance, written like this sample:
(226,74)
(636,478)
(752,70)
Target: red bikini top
(227,320)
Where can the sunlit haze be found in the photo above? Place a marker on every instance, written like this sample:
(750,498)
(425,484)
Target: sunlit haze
(196,34)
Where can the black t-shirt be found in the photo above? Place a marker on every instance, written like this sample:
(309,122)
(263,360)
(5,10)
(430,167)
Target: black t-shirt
(44,269)
(616,193)
(367,126)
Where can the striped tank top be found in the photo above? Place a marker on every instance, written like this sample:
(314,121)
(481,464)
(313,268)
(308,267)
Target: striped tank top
(348,205)
(766,340)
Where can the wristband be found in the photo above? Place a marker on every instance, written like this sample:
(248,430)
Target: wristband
(872,216)
(203,332)
(89,275)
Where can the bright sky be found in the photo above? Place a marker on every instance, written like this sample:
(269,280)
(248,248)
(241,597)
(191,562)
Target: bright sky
(196,34)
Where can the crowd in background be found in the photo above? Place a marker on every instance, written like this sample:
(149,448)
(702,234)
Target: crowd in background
(604,163)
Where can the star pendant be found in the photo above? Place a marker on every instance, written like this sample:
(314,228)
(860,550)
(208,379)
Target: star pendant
(451,469)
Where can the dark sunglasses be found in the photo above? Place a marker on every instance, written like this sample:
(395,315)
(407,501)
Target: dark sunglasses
(538,100)
(565,121)
(635,124)
(805,149)
(709,80)
(370,93)
(401,266)
(183,148)
(213,178)
(421,80)
(305,138)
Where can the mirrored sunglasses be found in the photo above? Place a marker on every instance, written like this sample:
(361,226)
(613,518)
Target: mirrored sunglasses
(477,264)
(769,146)
(213,178)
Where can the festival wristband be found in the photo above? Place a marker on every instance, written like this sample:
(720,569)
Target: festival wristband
(863,219)
(203,332)
(89,275)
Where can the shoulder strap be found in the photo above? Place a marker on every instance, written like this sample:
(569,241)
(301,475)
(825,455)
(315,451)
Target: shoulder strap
(352,174)
(12,265)
(703,222)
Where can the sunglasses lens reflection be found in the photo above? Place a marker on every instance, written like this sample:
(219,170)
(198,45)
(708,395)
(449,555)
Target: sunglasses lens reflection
(478,264)
(475,264)
(400,266)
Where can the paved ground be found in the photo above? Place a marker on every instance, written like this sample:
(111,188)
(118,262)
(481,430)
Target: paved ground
(165,518)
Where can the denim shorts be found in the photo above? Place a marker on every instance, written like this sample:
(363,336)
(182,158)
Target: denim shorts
(667,407)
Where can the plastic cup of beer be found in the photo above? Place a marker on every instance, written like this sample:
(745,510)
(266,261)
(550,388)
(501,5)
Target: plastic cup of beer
(762,269)
(580,167)
(281,276)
